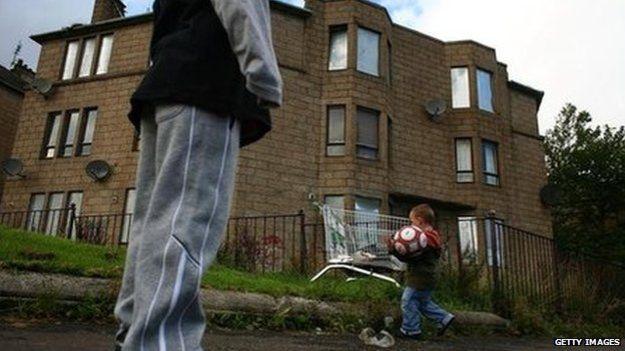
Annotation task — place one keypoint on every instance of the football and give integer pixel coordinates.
(409, 240)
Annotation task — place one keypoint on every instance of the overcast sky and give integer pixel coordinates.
(573, 50)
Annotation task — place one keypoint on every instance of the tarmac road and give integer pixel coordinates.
(19, 336)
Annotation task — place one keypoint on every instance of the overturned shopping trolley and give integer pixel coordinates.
(355, 241)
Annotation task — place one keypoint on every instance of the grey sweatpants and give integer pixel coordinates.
(184, 184)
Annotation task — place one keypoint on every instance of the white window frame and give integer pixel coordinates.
(52, 135)
(54, 207)
(484, 93)
(460, 87)
(338, 48)
(70, 60)
(104, 53)
(335, 147)
(468, 238)
(464, 174)
(36, 208)
(363, 65)
(87, 57)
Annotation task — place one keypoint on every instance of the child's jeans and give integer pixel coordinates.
(414, 302)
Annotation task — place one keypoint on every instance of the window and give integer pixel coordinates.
(35, 212)
(74, 197)
(368, 51)
(490, 162)
(88, 53)
(484, 90)
(51, 137)
(129, 210)
(460, 97)
(366, 222)
(390, 62)
(336, 131)
(54, 213)
(464, 160)
(89, 47)
(367, 204)
(494, 241)
(338, 48)
(367, 143)
(88, 128)
(106, 47)
(71, 55)
(389, 137)
(69, 133)
(467, 236)
(335, 201)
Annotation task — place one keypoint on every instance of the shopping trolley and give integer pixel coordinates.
(356, 241)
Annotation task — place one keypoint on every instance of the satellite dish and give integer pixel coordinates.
(550, 195)
(436, 108)
(13, 167)
(98, 170)
(42, 86)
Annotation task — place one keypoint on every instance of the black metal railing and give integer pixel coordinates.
(508, 262)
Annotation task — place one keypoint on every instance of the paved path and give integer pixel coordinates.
(73, 337)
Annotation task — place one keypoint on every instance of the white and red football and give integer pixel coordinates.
(409, 240)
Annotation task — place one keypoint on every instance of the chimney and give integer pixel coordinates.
(107, 9)
(22, 70)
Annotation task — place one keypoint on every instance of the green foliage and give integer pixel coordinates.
(40, 253)
(588, 165)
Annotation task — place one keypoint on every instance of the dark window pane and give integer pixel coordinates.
(367, 133)
(490, 163)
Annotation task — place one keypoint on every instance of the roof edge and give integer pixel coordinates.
(536, 94)
(82, 29)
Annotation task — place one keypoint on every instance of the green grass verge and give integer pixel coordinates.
(36, 252)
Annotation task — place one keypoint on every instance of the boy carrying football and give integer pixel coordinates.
(421, 276)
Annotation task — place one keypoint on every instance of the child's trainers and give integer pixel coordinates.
(444, 327)
(411, 336)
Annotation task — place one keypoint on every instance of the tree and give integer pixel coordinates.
(587, 164)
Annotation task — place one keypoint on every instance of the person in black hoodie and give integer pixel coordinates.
(213, 76)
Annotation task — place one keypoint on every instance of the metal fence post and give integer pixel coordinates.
(495, 262)
(72, 219)
(303, 257)
(556, 273)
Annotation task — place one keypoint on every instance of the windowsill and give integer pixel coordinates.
(474, 110)
(486, 112)
(369, 161)
(369, 75)
(63, 157)
(338, 70)
(95, 78)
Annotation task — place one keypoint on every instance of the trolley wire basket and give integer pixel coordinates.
(356, 241)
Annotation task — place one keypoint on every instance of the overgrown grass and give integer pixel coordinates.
(41, 253)
(36, 252)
